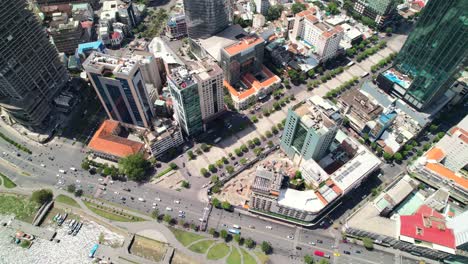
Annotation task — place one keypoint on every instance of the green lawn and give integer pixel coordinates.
(234, 257)
(67, 200)
(110, 215)
(248, 259)
(261, 256)
(202, 246)
(184, 237)
(7, 182)
(218, 251)
(23, 208)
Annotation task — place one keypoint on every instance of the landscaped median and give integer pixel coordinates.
(7, 183)
(111, 213)
(67, 200)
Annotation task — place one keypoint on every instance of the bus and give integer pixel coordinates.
(234, 231)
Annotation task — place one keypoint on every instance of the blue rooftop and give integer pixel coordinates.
(96, 45)
(384, 118)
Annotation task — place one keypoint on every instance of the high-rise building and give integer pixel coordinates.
(197, 89)
(206, 17)
(381, 11)
(432, 55)
(121, 87)
(261, 6)
(31, 74)
(310, 129)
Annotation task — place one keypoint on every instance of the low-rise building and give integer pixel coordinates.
(166, 135)
(117, 17)
(68, 32)
(176, 27)
(110, 142)
(444, 165)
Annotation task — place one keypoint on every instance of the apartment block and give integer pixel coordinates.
(176, 27)
(318, 37)
(381, 11)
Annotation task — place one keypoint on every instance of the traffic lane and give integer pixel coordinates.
(359, 251)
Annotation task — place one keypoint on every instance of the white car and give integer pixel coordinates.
(62, 171)
(42, 165)
(176, 201)
(181, 212)
(141, 199)
(73, 168)
(269, 227)
(158, 199)
(290, 237)
(201, 219)
(154, 204)
(168, 209)
(116, 192)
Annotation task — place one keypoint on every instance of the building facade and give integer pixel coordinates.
(205, 18)
(120, 86)
(166, 135)
(31, 74)
(381, 11)
(176, 27)
(310, 129)
(433, 53)
(320, 38)
(261, 6)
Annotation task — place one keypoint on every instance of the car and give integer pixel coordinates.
(132, 198)
(346, 252)
(157, 199)
(102, 188)
(101, 179)
(269, 227)
(62, 171)
(181, 215)
(123, 198)
(168, 209)
(176, 201)
(4, 153)
(201, 219)
(290, 237)
(73, 168)
(311, 243)
(181, 212)
(141, 199)
(206, 208)
(154, 204)
(29, 158)
(319, 241)
(116, 192)
(358, 251)
(42, 165)
(298, 248)
(18, 155)
(251, 227)
(126, 189)
(236, 226)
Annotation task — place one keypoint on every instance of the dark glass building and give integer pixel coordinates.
(205, 17)
(433, 53)
(31, 74)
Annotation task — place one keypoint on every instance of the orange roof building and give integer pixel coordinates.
(107, 143)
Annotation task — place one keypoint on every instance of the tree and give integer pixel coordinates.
(373, 145)
(237, 238)
(268, 134)
(191, 155)
(212, 168)
(249, 243)
(78, 193)
(42, 196)
(155, 213)
(205, 147)
(398, 157)
(266, 247)
(333, 8)
(204, 172)
(214, 179)
(230, 169)
(254, 119)
(297, 7)
(134, 166)
(274, 12)
(173, 166)
(223, 234)
(185, 184)
(212, 232)
(387, 156)
(433, 128)
(368, 243)
(71, 188)
(167, 218)
(155, 25)
(216, 203)
(270, 143)
(308, 259)
(389, 30)
(226, 205)
(256, 141)
(85, 165)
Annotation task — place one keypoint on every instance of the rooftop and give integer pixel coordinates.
(429, 226)
(229, 36)
(301, 200)
(363, 107)
(318, 113)
(267, 180)
(104, 63)
(251, 85)
(107, 140)
(244, 44)
(460, 228)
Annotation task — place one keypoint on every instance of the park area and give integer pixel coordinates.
(21, 206)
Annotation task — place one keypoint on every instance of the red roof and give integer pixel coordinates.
(115, 35)
(106, 140)
(427, 225)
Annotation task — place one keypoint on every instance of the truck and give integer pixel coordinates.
(234, 231)
(321, 254)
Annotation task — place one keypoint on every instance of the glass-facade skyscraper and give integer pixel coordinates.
(206, 17)
(433, 52)
(31, 74)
